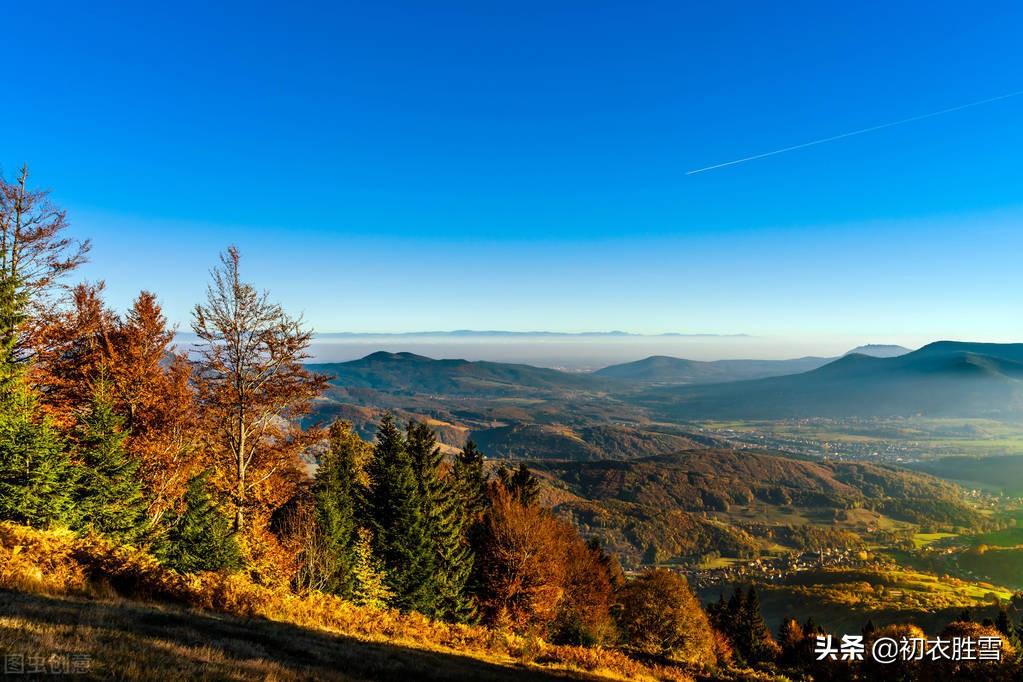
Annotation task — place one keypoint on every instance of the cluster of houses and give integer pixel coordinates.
(777, 569)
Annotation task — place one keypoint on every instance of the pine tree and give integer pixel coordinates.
(109, 491)
(369, 581)
(199, 538)
(522, 484)
(339, 501)
(446, 522)
(472, 481)
(761, 645)
(740, 619)
(790, 639)
(12, 318)
(36, 476)
(401, 535)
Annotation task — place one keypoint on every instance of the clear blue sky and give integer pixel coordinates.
(391, 166)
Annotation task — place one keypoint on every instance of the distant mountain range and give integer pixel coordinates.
(498, 332)
(945, 378)
(662, 369)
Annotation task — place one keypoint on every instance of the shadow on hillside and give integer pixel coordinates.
(134, 642)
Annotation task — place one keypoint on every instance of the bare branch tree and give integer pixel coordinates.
(34, 255)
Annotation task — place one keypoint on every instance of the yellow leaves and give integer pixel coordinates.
(58, 562)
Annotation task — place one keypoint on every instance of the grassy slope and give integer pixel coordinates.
(140, 621)
(148, 642)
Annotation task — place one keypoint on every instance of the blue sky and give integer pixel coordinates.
(389, 166)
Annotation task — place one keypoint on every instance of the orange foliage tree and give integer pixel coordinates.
(84, 343)
(153, 389)
(253, 390)
(536, 573)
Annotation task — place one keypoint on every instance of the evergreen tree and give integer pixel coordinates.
(521, 483)
(200, 537)
(369, 581)
(36, 476)
(759, 645)
(401, 531)
(742, 622)
(35, 471)
(12, 318)
(446, 521)
(790, 639)
(472, 481)
(108, 493)
(868, 629)
(339, 501)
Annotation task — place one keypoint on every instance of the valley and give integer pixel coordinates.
(744, 471)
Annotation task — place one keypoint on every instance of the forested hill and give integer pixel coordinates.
(663, 369)
(713, 480)
(411, 373)
(945, 378)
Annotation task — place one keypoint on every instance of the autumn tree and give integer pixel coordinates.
(661, 616)
(252, 387)
(791, 639)
(521, 578)
(152, 388)
(69, 352)
(584, 615)
(149, 383)
(369, 578)
(35, 253)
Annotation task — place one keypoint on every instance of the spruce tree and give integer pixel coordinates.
(369, 580)
(108, 493)
(521, 483)
(35, 470)
(12, 318)
(36, 476)
(401, 532)
(755, 638)
(446, 522)
(199, 538)
(471, 480)
(339, 501)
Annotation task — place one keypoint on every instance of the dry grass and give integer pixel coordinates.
(180, 632)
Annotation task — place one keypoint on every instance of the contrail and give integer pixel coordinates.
(856, 132)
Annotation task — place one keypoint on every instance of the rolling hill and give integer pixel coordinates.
(587, 443)
(945, 378)
(408, 373)
(880, 350)
(740, 502)
(663, 369)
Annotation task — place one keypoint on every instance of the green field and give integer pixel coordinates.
(921, 540)
(844, 600)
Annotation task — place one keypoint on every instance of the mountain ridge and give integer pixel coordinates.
(944, 378)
